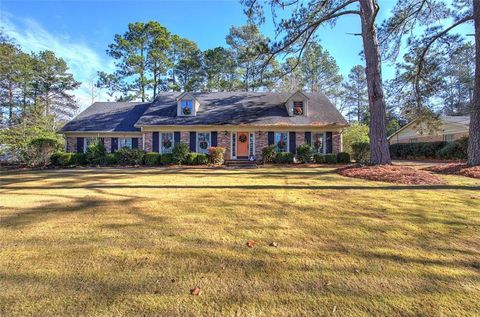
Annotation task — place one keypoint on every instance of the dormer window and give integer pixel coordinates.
(298, 108)
(187, 107)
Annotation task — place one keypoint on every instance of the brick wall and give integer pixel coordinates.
(261, 141)
(71, 145)
(299, 138)
(185, 137)
(224, 140)
(148, 136)
(336, 142)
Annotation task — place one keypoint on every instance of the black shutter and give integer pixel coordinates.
(308, 138)
(292, 142)
(134, 143)
(114, 145)
(155, 142)
(79, 145)
(102, 140)
(271, 138)
(214, 138)
(176, 137)
(193, 143)
(328, 142)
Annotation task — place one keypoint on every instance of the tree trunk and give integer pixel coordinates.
(379, 150)
(474, 133)
(10, 104)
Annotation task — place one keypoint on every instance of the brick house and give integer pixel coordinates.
(242, 122)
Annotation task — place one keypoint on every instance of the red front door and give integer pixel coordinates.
(242, 144)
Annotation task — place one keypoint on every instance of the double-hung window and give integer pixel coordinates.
(318, 142)
(203, 142)
(166, 142)
(448, 138)
(281, 141)
(187, 107)
(124, 142)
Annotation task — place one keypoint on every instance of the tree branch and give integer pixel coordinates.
(421, 60)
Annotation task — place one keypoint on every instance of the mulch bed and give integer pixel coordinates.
(392, 174)
(456, 169)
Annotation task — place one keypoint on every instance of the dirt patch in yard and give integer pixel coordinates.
(392, 174)
(456, 169)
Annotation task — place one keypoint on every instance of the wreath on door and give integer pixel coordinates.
(242, 138)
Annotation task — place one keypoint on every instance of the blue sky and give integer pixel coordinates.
(80, 31)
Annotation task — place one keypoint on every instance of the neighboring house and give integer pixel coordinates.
(242, 122)
(451, 128)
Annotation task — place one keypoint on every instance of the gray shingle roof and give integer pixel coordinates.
(255, 108)
(108, 117)
(219, 108)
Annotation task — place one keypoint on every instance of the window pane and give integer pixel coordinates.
(125, 142)
(298, 108)
(203, 142)
(281, 141)
(318, 142)
(166, 142)
(187, 108)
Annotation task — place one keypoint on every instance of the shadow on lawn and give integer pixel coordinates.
(252, 187)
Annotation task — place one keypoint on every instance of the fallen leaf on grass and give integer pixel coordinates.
(195, 291)
(274, 244)
(250, 243)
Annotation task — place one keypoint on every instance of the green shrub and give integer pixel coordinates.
(111, 159)
(416, 150)
(319, 158)
(268, 154)
(166, 159)
(456, 150)
(202, 159)
(356, 133)
(180, 152)
(343, 157)
(62, 159)
(191, 158)
(79, 159)
(361, 151)
(284, 158)
(330, 158)
(95, 153)
(152, 159)
(40, 150)
(304, 153)
(216, 155)
(127, 156)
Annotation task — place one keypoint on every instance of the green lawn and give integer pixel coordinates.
(116, 242)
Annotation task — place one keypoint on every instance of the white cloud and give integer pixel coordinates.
(82, 61)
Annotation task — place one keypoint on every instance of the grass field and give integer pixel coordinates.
(117, 242)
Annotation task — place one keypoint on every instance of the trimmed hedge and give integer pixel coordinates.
(284, 158)
(126, 156)
(191, 158)
(180, 152)
(343, 157)
(456, 150)
(216, 155)
(330, 159)
(319, 158)
(111, 159)
(62, 159)
(166, 159)
(202, 159)
(416, 150)
(152, 159)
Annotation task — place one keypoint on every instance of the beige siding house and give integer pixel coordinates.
(450, 129)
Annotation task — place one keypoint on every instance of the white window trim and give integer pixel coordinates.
(251, 150)
(312, 134)
(131, 142)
